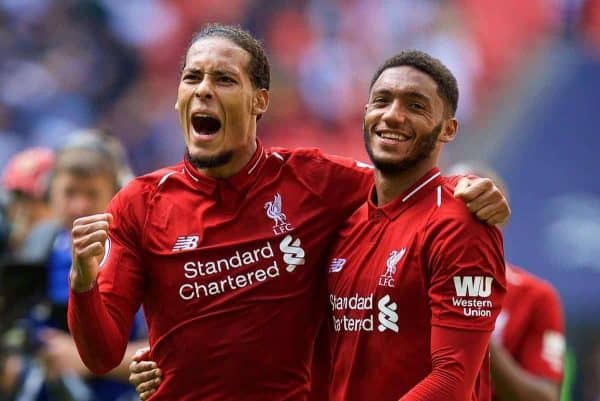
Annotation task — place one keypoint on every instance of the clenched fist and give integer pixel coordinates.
(88, 239)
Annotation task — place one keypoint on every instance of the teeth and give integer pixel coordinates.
(393, 135)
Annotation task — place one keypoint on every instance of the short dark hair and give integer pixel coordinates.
(258, 68)
(443, 77)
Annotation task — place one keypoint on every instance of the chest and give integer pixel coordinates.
(381, 258)
(203, 252)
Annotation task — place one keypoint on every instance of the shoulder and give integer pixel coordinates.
(146, 184)
(315, 157)
(451, 226)
(139, 192)
(534, 286)
(448, 209)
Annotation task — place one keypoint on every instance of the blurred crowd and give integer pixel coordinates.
(114, 64)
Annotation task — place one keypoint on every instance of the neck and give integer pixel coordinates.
(390, 186)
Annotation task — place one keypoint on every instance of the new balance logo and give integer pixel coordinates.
(336, 265)
(387, 314)
(473, 286)
(293, 254)
(186, 242)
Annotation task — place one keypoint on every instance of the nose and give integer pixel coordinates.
(395, 114)
(204, 89)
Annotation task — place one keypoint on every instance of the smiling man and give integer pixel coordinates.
(226, 250)
(418, 281)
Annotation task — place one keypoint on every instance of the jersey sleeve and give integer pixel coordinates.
(100, 320)
(456, 360)
(466, 271)
(544, 346)
(342, 183)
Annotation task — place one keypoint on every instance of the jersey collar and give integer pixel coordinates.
(238, 182)
(424, 185)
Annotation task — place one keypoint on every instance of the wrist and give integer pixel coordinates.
(78, 284)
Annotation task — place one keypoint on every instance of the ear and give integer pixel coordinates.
(260, 103)
(449, 130)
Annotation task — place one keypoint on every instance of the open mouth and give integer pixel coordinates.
(205, 125)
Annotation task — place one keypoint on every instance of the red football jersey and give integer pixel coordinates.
(531, 325)
(421, 260)
(230, 273)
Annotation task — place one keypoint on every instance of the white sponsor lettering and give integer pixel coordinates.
(214, 277)
(387, 317)
(478, 286)
(195, 269)
(471, 303)
(190, 291)
(355, 302)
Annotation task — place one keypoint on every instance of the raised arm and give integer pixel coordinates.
(107, 282)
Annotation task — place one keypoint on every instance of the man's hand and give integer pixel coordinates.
(484, 199)
(89, 235)
(144, 375)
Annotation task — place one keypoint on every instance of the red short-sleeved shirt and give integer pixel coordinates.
(531, 324)
(230, 273)
(418, 261)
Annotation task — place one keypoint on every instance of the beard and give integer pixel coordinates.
(422, 149)
(217, 160)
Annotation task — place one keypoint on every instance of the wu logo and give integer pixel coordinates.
(387, 314)
(387, 278)
(473, 286)
(293, 254)
(275, 212)
(186, 242)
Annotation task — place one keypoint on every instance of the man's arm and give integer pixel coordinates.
(512, 382)
(456, 358)
(466, 285)
(537, 373)
(100, 315)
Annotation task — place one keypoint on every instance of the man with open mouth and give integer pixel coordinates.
(227, 249)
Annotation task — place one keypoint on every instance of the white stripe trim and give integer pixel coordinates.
(277, 155)
(190, 174)
(439, 196)
(257, 161)
(164, 178)
(417, 189)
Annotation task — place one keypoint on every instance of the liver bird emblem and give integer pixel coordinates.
(392, 261)
(274, 210)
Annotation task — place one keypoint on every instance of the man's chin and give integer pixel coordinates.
(203, 161)
(392, 165)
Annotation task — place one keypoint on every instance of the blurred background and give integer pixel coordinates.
(528, 72)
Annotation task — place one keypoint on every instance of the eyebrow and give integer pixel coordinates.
(410, 93)
(218, 72)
